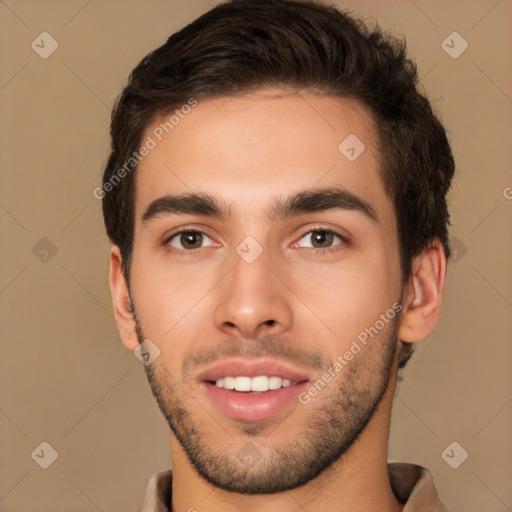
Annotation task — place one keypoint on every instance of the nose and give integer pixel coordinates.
(253, 300)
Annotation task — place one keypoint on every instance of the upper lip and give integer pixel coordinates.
(235, 367)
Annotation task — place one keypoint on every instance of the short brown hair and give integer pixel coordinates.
(241, 46)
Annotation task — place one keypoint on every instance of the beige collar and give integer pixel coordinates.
(412, 485)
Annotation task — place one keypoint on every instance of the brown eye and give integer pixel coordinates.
(189, 240)
(320, 239)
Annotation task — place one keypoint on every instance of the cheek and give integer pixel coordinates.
(169, 297)
(349, 295)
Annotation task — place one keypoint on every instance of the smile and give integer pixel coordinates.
(253, 390)
(260, 384)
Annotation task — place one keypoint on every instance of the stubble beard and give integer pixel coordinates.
(337, 416)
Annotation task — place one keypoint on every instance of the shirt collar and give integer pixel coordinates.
(412, 485)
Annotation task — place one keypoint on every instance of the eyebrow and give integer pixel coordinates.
(307, 201)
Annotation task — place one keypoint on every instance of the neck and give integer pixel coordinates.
(357, 481)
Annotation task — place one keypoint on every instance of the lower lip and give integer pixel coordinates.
(253, 406)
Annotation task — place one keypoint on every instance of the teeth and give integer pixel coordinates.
(229, 383)
(242, 383)
(275, 382)
(259, 384)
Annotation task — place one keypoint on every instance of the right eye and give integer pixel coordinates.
(188, 240)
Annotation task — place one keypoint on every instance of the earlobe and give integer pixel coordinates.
(422, 303)
(121, 301)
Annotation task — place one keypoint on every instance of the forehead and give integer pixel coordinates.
(249, 150)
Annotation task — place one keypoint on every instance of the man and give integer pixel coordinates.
(276, 197)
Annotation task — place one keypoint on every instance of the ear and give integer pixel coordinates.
(422, 304)
(121, 301)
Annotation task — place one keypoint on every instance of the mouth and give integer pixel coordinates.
(259, 384)
(252, 390)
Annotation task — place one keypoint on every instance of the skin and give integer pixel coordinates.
(251, 151)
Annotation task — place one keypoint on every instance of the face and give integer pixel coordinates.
(266, 260)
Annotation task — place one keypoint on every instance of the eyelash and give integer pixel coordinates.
(336, 247)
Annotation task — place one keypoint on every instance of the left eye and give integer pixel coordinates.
(188, 240)
(320, 239)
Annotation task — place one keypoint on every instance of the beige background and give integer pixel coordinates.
(65, 377)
